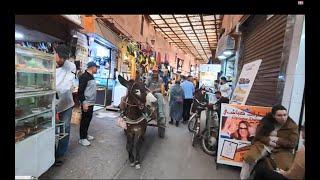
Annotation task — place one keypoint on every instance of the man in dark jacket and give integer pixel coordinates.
(87, 96)
(221, 100)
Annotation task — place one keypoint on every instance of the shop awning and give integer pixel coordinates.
(196, 34)
(53, 25)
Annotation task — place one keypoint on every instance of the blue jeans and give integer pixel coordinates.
(65, 116)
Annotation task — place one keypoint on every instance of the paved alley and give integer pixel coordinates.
(107, 158)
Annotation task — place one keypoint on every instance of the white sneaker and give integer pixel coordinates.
(90, 137)
(84, 142)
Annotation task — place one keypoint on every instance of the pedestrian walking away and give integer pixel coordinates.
(176, 103)
(188, 89)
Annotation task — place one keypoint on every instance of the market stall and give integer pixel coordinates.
(135, 58)
(34, 111)
(100, 53)
(36, 133)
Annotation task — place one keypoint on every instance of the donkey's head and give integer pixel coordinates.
(138, 94)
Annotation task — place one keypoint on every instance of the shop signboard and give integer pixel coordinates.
(237, 129)
(208, 74)
(245, 82)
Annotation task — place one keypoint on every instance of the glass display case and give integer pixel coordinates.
(34, 70)
(34, 92)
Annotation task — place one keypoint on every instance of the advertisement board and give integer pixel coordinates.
(238, 125)
(208, 74)
(245, 82)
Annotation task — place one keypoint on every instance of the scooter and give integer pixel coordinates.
(204, 124)
(210, 133)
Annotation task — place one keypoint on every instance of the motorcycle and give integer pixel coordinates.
(210, 133)
(196, 121)
(204, 124)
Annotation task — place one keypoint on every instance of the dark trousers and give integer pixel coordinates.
(262, 172)
(186, 109)
(85, 122)
(267, 174)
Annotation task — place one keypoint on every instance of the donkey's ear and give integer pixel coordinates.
(122, 81)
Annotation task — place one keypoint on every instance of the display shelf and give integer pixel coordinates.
(31, 94)
(34, 70)
(35, 154)
(28, 90)
(29, 52)
(34, 111)
(32, 115)
(44, 126)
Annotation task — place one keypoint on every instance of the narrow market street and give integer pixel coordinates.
(107, 158)
(238, 79)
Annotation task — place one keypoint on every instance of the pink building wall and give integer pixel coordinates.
(230, 21)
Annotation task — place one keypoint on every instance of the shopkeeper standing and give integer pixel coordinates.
(65, 75)
(87, 95)
(224, 88)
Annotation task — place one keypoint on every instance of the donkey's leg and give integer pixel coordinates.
(138, 147)
(140, 135)
(130, 143)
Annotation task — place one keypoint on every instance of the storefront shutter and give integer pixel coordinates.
(263, 39)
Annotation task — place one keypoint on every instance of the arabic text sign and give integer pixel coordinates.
(245, 82)
(237, 129)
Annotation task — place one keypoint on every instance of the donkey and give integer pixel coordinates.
(133, 105)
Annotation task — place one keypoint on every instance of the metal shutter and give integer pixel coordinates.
(263, 39)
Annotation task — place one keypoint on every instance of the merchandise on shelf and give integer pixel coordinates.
(34, 85)
(34, 70)
(32, 105)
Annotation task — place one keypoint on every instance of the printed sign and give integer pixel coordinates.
(237, 130)
(245, 82)
(208, 74)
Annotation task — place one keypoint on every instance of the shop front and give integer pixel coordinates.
(36, 134)
(263, 37)
(100, 52)
(226, 54)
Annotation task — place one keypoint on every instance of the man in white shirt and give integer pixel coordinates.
(224, 88)
(65, 75)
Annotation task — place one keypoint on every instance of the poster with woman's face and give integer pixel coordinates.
(180, 65)
(237, 130)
